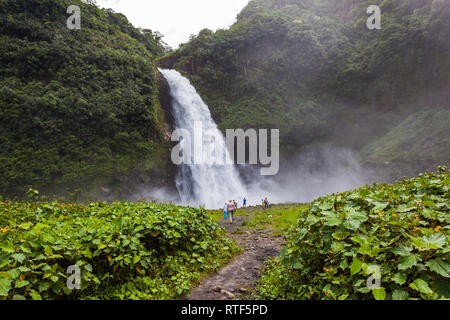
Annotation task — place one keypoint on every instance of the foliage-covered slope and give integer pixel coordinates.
(75, 104)
(305, 66)
(124, 250)
(398, 233)
(422, 140)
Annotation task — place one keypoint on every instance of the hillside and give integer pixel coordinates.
(77, 106)
(423, 138)
(314, 70)
(86, 109)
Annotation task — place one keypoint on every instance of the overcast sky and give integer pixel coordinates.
(177, 19)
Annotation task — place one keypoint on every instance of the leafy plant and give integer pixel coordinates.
(402, 230)
(124, 250)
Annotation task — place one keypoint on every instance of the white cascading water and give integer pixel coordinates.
(210, 185)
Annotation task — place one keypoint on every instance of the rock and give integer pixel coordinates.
(243, 269)
(227, 294)
(217, 288)
(243, 290)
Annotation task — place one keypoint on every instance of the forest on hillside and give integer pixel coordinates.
(314, 70)
(78, 108)
(88, 109)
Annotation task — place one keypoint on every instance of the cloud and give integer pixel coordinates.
(177, 19)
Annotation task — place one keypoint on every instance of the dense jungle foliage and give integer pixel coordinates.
(124, 250)
(399, 234)
(82, 107)
(76, 106)
(314, 70)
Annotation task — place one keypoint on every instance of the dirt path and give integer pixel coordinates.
(237, 279)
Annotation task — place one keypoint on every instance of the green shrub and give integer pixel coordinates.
(124, 250)
(403, 229)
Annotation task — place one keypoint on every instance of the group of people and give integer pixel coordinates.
(230, 209)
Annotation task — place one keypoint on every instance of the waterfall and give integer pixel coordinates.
(208, 184)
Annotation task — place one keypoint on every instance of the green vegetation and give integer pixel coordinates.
(423, 138)
(403, 229)
(278, 219)
(76, 106)
(314, 70)
(124, 250)
(83, 108)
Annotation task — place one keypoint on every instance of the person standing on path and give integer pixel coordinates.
(230, 206)
(244, 202)
(266, 203)
(225, 211)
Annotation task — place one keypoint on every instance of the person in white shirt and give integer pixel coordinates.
(225, 211)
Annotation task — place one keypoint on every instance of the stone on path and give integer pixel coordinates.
(227, 294)
(217, 288)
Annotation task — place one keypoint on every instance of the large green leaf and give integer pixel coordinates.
(439, 266)
(326, 204)
(368, 249)
(5, 286)
(379, 293)
(356, 215)
(430, 214)
(352, 224)
(407, 262)
(19, 257)
(433, 241)
(379, 206)
(402, 250)
(356, 266)
(35, 295)
(7, 246)
(333, 220)
(21, 283)
(400, 278)
(422, 286)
